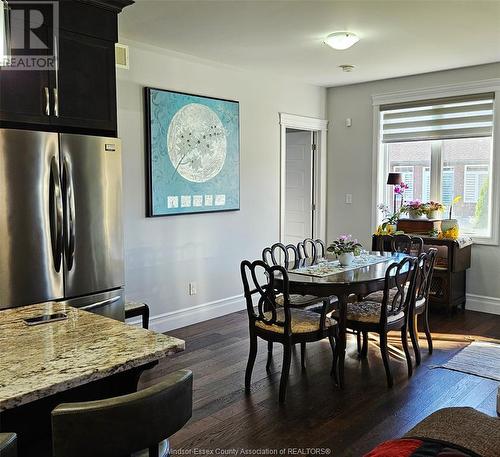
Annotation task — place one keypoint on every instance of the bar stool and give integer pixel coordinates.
(8, 445)
(134, 309)
(137, 424)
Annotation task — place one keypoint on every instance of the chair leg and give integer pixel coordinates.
(334, 345)
(358, 341)
(414, 338)
(385, 357)
(303, 355)
(251, 361)
(269, 354)
(364, 349)
(427, 330)
(285, 371)
(404, 341)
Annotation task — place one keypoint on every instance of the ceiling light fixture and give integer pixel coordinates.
(341, 40)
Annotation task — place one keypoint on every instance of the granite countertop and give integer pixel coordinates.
(37, 361)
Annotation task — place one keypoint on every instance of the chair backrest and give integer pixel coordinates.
(406, 244)
(122, 425)
(425, 264)
(311, 249)
(260, 293)
(279, 254)
(400, 277)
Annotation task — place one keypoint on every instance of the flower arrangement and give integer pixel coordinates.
(390, 219)
(345, 244)
(400, 188)
(414, 208)
(452, 233)
(434, 206)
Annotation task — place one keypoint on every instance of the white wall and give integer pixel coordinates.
(162, 255)
(350, 155)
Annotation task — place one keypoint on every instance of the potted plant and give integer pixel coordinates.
(415, 209)
(432, 209)
(345, 248)
(390, 220)
(448, 224)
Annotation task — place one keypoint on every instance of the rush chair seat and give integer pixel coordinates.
(284, 325)
(8, 445)
(137, 424)
(289, 256)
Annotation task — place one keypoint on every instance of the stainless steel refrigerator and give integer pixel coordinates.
(61, 221)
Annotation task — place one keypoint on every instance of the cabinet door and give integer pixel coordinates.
(24, 94)
(86, 82)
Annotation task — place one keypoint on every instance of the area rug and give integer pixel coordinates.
(480, 358)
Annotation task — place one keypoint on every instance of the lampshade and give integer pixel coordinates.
(394, 179)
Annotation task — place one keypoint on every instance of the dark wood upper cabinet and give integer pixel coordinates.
(80, 96)
(85, 82)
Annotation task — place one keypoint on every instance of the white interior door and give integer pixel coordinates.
(298, 186)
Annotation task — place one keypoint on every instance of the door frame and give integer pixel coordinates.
(320, 126)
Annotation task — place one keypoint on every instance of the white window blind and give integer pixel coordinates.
(468, 116)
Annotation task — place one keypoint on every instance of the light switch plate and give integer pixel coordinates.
(348, 199)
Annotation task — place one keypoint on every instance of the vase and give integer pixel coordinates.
(448, 224)
(414, 214)
(391, 229)
(346, 259)
(433, 214)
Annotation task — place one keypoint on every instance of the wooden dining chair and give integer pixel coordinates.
(288, 257)
(406, 244)
(402, 243)
(389, 314)
(280, 324)
(420, 304)
(311, 249)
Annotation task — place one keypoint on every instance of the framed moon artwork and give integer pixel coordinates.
(193, 153)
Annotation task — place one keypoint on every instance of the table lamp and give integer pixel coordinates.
(394, 179)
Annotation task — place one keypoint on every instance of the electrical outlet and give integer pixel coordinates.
(193, 289)
(348, 199)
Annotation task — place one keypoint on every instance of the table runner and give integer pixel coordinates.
(323, 269)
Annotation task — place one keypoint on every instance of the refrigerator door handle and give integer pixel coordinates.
(56, 214)
(99, 304)
(69, 202)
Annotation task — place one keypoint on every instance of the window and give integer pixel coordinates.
(443, 149)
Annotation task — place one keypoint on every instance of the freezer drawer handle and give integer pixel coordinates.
(100, 304)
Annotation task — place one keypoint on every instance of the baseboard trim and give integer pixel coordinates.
(483, 304)
(194, 314)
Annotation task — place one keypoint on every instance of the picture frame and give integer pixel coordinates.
(192, 153)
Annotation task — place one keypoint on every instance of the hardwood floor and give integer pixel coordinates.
(317, 414)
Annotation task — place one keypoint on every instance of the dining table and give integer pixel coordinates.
(360, 279)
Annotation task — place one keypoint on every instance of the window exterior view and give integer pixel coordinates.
(465, 172)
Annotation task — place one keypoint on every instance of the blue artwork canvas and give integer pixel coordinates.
(193, 153)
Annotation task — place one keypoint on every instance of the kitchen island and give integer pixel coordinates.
(83, 357)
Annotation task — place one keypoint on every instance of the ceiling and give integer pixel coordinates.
(398, 37)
